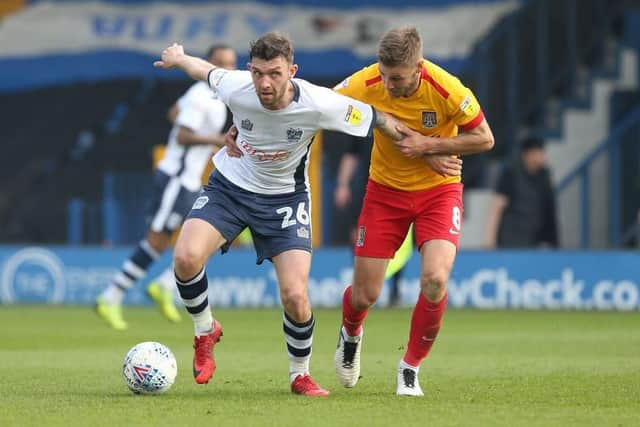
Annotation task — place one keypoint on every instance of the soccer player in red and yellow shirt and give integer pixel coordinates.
(408, 184)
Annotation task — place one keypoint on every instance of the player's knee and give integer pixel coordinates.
(434, 284)
(295, 302)
(187, 262)
(364, 298)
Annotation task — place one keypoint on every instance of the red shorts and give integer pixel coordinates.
(387, 214)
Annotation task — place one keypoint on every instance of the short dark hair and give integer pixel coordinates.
(270, 46)
(216, 47)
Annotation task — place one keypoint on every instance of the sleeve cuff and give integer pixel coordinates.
(473, 123)
(374, 119)
(209, 77)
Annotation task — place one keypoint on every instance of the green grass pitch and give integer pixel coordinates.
(60, 366)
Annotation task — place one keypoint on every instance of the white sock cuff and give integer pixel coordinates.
(196, 279)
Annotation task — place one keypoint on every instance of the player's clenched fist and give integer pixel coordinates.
(170, 56)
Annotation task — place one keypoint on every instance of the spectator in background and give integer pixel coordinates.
(356, 153)
(523, 211)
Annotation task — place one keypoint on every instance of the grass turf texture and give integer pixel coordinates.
(60, 366)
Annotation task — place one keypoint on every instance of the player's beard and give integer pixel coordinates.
(272, 100)
(407, 90)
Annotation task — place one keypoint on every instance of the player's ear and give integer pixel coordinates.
(292, 70)
(249, 66)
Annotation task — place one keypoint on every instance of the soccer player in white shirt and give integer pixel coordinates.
(265, 189)
(198, 122)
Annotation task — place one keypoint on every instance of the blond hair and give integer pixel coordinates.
(400, 46)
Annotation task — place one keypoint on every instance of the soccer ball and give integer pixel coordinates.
(149, 368)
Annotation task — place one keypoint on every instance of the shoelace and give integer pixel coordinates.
(349, 354)
(409, 377)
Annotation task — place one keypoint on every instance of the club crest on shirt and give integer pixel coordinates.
(246, 125)
(429, 119)
(294, 134)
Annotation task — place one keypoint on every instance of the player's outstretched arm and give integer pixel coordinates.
(389, 125)
(174, 57)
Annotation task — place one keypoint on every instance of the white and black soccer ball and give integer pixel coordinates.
(149, 368)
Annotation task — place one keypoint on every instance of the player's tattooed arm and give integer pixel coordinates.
(388, 124)
(475, 140)
(174, 57)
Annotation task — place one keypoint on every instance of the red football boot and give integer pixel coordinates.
(204, 365)
(306, 386)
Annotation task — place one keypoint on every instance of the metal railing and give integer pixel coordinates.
(533, 55)
(625, 132)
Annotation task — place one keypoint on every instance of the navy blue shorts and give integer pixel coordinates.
(169, 204)
(278, 222)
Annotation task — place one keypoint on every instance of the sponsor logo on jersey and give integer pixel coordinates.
(246, 125)
(294, 134)
(353, 116)
(429, 119)
(360, 240)
(263, 156)
(468, 107)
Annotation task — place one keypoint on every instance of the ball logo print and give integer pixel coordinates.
(33, 274)
(141, 372)
(149, 368)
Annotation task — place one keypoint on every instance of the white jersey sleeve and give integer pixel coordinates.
(194, 107)
(344, 114)
(223, 82)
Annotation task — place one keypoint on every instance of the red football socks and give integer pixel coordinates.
(425, 324)
(351, 319)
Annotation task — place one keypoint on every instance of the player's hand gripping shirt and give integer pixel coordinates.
(439, 107)
(276, 143)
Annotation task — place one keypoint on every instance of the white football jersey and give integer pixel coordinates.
(204, 115)
(275, 144)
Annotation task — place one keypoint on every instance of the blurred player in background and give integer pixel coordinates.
(407, 184)
(261, 182)
(198, 120)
